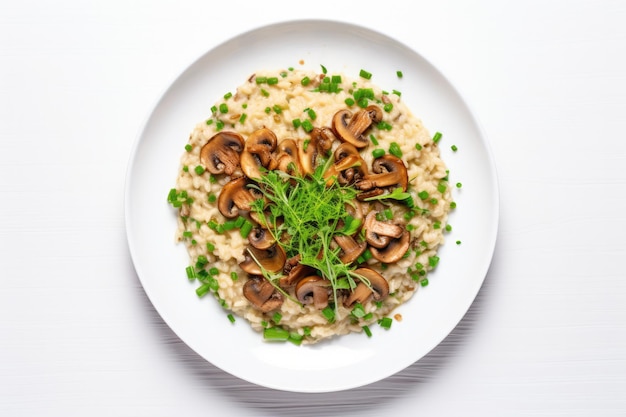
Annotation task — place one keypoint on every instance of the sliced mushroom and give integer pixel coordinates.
(313, 290)
(377, 233)
(257, 261)
(350, 248)
(323, 138)
(353, 130)
(257, 154)
(261, 238)
(262, 294)
(287, 157)
(307, 155)
(235, 197)
(395, 249)
(378, 283)
(387, 170)
(295, 274)
(221, 153)
(348, 166)
(378, 288)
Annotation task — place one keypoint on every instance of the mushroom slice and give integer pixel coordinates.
(287, 157)
(295, 274)
(258, 261)
(394, 251)
(262, 294)
(358, 295)
(257, 153)
(313, 290)
(350, 248)
(378, 287)
(352, 132)
(378, 283)
(235, 196)
(378, 234)
(221, 153)
(323, 138)
(261, 238)
(387, 170)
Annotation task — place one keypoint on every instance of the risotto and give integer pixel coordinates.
(311, 204)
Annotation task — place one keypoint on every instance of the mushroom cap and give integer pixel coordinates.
(394, 251)
(295, 274)
(262, 294)
(358, 295)
(387, 170)
(235, 196)
(271, 259)
(257, 153)
(261, 238)
(350, 248)
(221, 153)
(352, 132)
(378, 283)
(378, 234)
(313, 290)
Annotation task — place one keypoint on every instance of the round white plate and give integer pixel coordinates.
(348, 361)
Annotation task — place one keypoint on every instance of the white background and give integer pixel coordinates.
(546, 335)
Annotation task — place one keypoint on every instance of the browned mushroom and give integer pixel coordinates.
(221, 153)
(348, 166)
(378, 233)
(235, 197)
(353, 130)
(295, 274)
(262, 294)
(394, 251)
(376, 286)
(287, 157)
(257, 261)
(261, 238)
(257, 153)
(378, 283)
(350, 248)
(387, 170)
(313, 290)
(323, 137)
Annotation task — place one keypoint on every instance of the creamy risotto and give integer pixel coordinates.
(311, 204)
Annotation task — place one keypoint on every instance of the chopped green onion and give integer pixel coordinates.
(261, 80)
(203, 289)
(458, 242)
(423, 195)
(312, 114)
(388, 107)
(324, 70)
(228, 95)
(377, 153)
(437, 137)
(188, 147)
(329, 313)
(441, 188)
(418, 146)
(231, 318)
(246, 228)
(395, 150)
(199, 169)
(275, 334)
(385, 323)
(305, 81)
(396, 92)
(365, 74)
(459, 185)
(454, 148)
(191, 273)
(210, 247)
(234, 276)
(367, 331)
(424, 282)
(373, 139)
(277, 109)
(433, 261)
(242, 118)
(223, 108)
(349, 101)
(452, 205)
(399, 74)
(264, 92)
(272, 81)
(296, 123)
(307, 125)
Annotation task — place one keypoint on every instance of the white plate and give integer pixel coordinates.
(348, 361)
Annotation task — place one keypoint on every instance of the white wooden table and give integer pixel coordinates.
(546, 335)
